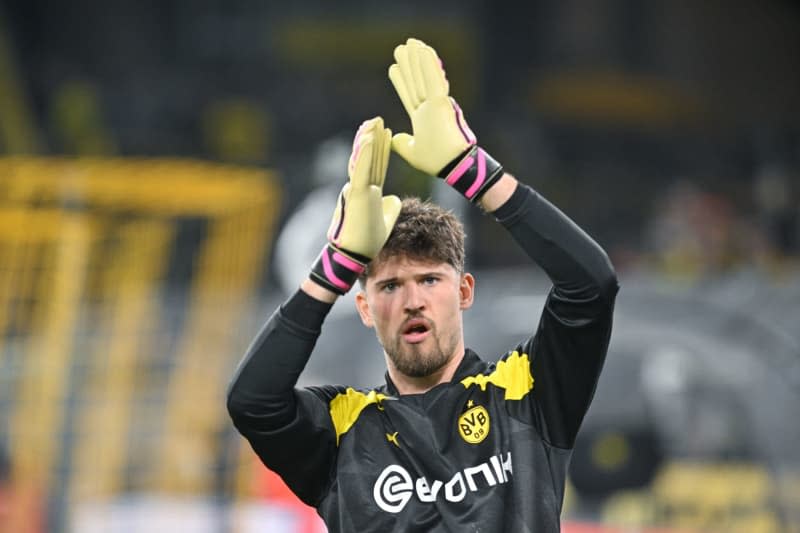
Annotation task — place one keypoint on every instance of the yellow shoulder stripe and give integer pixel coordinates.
(345, 408)
(512, 374)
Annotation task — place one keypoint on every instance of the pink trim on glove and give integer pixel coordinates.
(462, 124)
(328, 268)
(356, 149)
(347, 263)
(333, 236)
(459, 171)
(476, 185)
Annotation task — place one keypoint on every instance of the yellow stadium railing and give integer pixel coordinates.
(111, 393)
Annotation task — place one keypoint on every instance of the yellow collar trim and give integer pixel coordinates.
(346, 407)
(512, 374)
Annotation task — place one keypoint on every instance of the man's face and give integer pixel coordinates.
(415, 308)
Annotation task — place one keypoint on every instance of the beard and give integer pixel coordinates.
(423, 359)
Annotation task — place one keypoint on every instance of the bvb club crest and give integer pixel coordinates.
(473, 425)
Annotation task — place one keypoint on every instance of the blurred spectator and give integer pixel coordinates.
(21, 509)
(237, 130)
(692, 234)
(777, 206)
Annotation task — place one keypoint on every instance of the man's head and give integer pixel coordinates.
(415, 289)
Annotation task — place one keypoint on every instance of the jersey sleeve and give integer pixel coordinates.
(290, 429)
(570, 343)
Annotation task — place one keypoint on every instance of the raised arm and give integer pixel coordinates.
(569, 347)
(570, 344)
(291, 429)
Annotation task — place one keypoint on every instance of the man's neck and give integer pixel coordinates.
(413, 385)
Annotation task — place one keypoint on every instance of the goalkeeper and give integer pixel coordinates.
(452, 441)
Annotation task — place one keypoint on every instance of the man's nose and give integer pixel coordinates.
(414, 299)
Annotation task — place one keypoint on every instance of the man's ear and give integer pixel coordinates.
(363, 309)
(466, 291)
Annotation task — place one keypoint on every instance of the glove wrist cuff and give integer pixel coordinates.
(337, 270)
(472, 173)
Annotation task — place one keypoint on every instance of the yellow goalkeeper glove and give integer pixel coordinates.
(442, 143)
(363, 218)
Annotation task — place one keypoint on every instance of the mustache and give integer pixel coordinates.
(416, 317)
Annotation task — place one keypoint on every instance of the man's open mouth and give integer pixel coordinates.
(415, 330)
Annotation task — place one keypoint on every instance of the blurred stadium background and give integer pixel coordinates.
(166, 174)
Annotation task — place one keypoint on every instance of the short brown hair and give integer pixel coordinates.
(424, 231)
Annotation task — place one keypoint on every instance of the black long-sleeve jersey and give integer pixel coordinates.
(486, 452)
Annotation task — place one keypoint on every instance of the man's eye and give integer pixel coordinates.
(389, 287)
(430, 280)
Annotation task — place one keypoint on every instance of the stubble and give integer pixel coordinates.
(422, 359)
